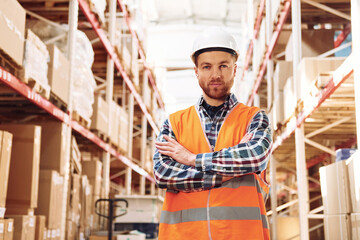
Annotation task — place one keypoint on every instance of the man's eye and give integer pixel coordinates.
(206, 67)
(223, 66)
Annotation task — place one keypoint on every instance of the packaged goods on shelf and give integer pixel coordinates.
(24, 166)
(50, 198)
(335, 190)
(12, 28)
(36, 60)
(86, 203)
(287, 227)
(353, 168)
(123, 130)
(337, 226)
(289, 102)
(115, 119)
(40, 227)
(93, 169)
(53, 148)
(9, 229)
(24, 227)
(5, 156)
(74, 204)
(355, 226)
(141, 209)
(309, 47)
(58, 73)
(308, 71)
(83, 91)
(100, 116)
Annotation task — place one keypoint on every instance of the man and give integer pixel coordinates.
(209, 157)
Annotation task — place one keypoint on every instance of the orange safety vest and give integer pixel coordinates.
(236, 210)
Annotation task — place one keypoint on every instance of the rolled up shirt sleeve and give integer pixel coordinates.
(251, 156)
(171, 175)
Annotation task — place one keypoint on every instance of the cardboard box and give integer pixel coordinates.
(12, 28)
(123, 130)
(53, 150)
(115, 116)
(58, 73)
(6, 144)
(94, 237)
(92, 169)
(100, 116)
(335, 190)
(353, 167)
(50, 197)
(283, 70)
(75, 155)
(24, 165)
(24, 227)
(9, 229)
(337, 227)
(2, 229)
(74, 206)
(86, 202)
(289, 102)
(355, 226)
(288, 228)
(40, 227)
(308, 70)
(141, 209)
(309, 47)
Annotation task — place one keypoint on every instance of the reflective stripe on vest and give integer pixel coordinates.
(235, 210)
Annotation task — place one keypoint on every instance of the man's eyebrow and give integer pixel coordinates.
(205, 63)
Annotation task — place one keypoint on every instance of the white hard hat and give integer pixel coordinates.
(214, 39)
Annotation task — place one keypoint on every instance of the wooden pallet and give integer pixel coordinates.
(101, 135)
(80, 119)
(9, 65)
(58, 102)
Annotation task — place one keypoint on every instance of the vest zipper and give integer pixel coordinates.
(208, 214)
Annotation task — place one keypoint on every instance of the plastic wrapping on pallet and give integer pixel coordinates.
(36, 60)
(83, 91)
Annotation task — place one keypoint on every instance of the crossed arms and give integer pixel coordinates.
(176, 168)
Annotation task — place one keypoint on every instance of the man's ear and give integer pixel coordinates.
(235, 69)
(196, 72)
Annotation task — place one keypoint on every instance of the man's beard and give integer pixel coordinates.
(219, 93)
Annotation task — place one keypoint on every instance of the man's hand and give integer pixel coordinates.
(176, 151)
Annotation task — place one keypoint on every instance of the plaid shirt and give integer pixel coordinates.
(248, 157)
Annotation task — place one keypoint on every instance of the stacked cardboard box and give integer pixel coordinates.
(24, 227)
(100, 117)
(12, 28)
(5, 156)
(58, 73)
(93, 169)
(8, 228)
(22, 192)
(115, 117)
(309, 47)
(50, 198)
(283, 71)
(123, 129)
(40, 230)
(336, 200)
(86, 206)
(353, 167)
(53, 150)
(74, 207)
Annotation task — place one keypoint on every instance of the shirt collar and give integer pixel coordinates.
(230, 102)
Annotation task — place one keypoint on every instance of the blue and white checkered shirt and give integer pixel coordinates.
(248, 157)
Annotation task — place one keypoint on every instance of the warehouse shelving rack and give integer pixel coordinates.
(330, 113)
(53, 111)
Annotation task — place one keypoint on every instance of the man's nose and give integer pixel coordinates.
(216, 73)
